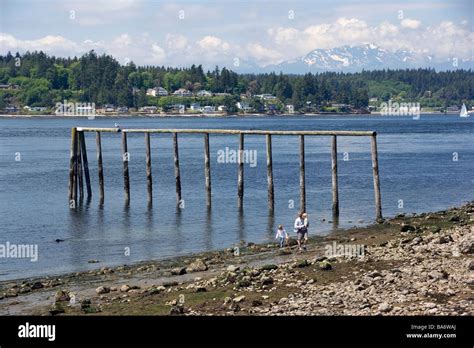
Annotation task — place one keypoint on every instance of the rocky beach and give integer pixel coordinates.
(412, 264)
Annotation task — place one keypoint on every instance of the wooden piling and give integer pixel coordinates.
(302, 176)
(79, 167)
(335, 189)
(271, 199)
(85, 164)
(100, 169)
(177, 174)
(125, 159)
(72, 164)
(240, 182)
(149, 179)
(375, 169)
(207, 169)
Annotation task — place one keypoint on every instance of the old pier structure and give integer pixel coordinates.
(79, 164)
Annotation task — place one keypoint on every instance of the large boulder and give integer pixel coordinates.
(197, 266)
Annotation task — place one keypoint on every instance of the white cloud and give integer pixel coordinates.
(444, 40)
(262, 55)
(213, 44)
(410, 23)
(158, 54)
(176, 41)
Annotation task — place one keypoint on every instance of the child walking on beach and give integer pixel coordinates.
(281, 235)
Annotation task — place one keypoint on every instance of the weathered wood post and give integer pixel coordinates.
(271, 199)
(302, 176)
(149, 179)
(79, 167)
(72, 168)
(335, 189)
(100, 169)
(125, 159)
(207, 168)
(85, 164)
(240, 180)
(375, 169)
(177, 174)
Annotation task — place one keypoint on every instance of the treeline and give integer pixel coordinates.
(45, 80)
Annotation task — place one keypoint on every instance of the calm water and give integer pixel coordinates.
(415, 159)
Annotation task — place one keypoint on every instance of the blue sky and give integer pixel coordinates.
(218, 32)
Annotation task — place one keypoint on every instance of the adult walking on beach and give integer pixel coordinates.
(299, 226)
(305, 229)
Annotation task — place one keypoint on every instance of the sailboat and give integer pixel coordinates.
(464, 111)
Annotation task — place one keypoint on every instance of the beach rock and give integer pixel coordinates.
(445, 239)
(125, 288)
(407, 228)
(227, 300)
(85, 303)
(62, 296)
(301, 264)
(232, 268)
(244, 283)
(239, 299)
(102, 290)
(325, 266)
(467, 246)
(178, 271)
(197, 266)
(292, 242)
(384, 307)
(176, 310)
(266, 280)
(268, 267)
(37, 285)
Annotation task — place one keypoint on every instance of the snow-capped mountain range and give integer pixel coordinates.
(365, 57)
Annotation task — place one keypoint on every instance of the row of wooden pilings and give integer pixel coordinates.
(79, 165)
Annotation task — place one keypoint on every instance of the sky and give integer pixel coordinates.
(181, 33)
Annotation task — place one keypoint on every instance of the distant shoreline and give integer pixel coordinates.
(220, 115)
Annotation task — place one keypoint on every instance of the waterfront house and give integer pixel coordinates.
(149, 109)
(122, 109)
(36, 108)
(182, 93)
(195, 107)
(157, 92)
(266, 96)
(109, 108)
(8, 86)
(204, 93)
(11, 108)
(243, 106)
(208, 109)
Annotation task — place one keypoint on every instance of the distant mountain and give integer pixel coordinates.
(363, 57)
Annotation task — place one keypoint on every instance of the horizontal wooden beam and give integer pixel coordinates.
(230, 131)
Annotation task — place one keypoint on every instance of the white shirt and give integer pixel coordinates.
(299, 223)
(281, 233)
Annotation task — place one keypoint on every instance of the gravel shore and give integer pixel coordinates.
(410, 265)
